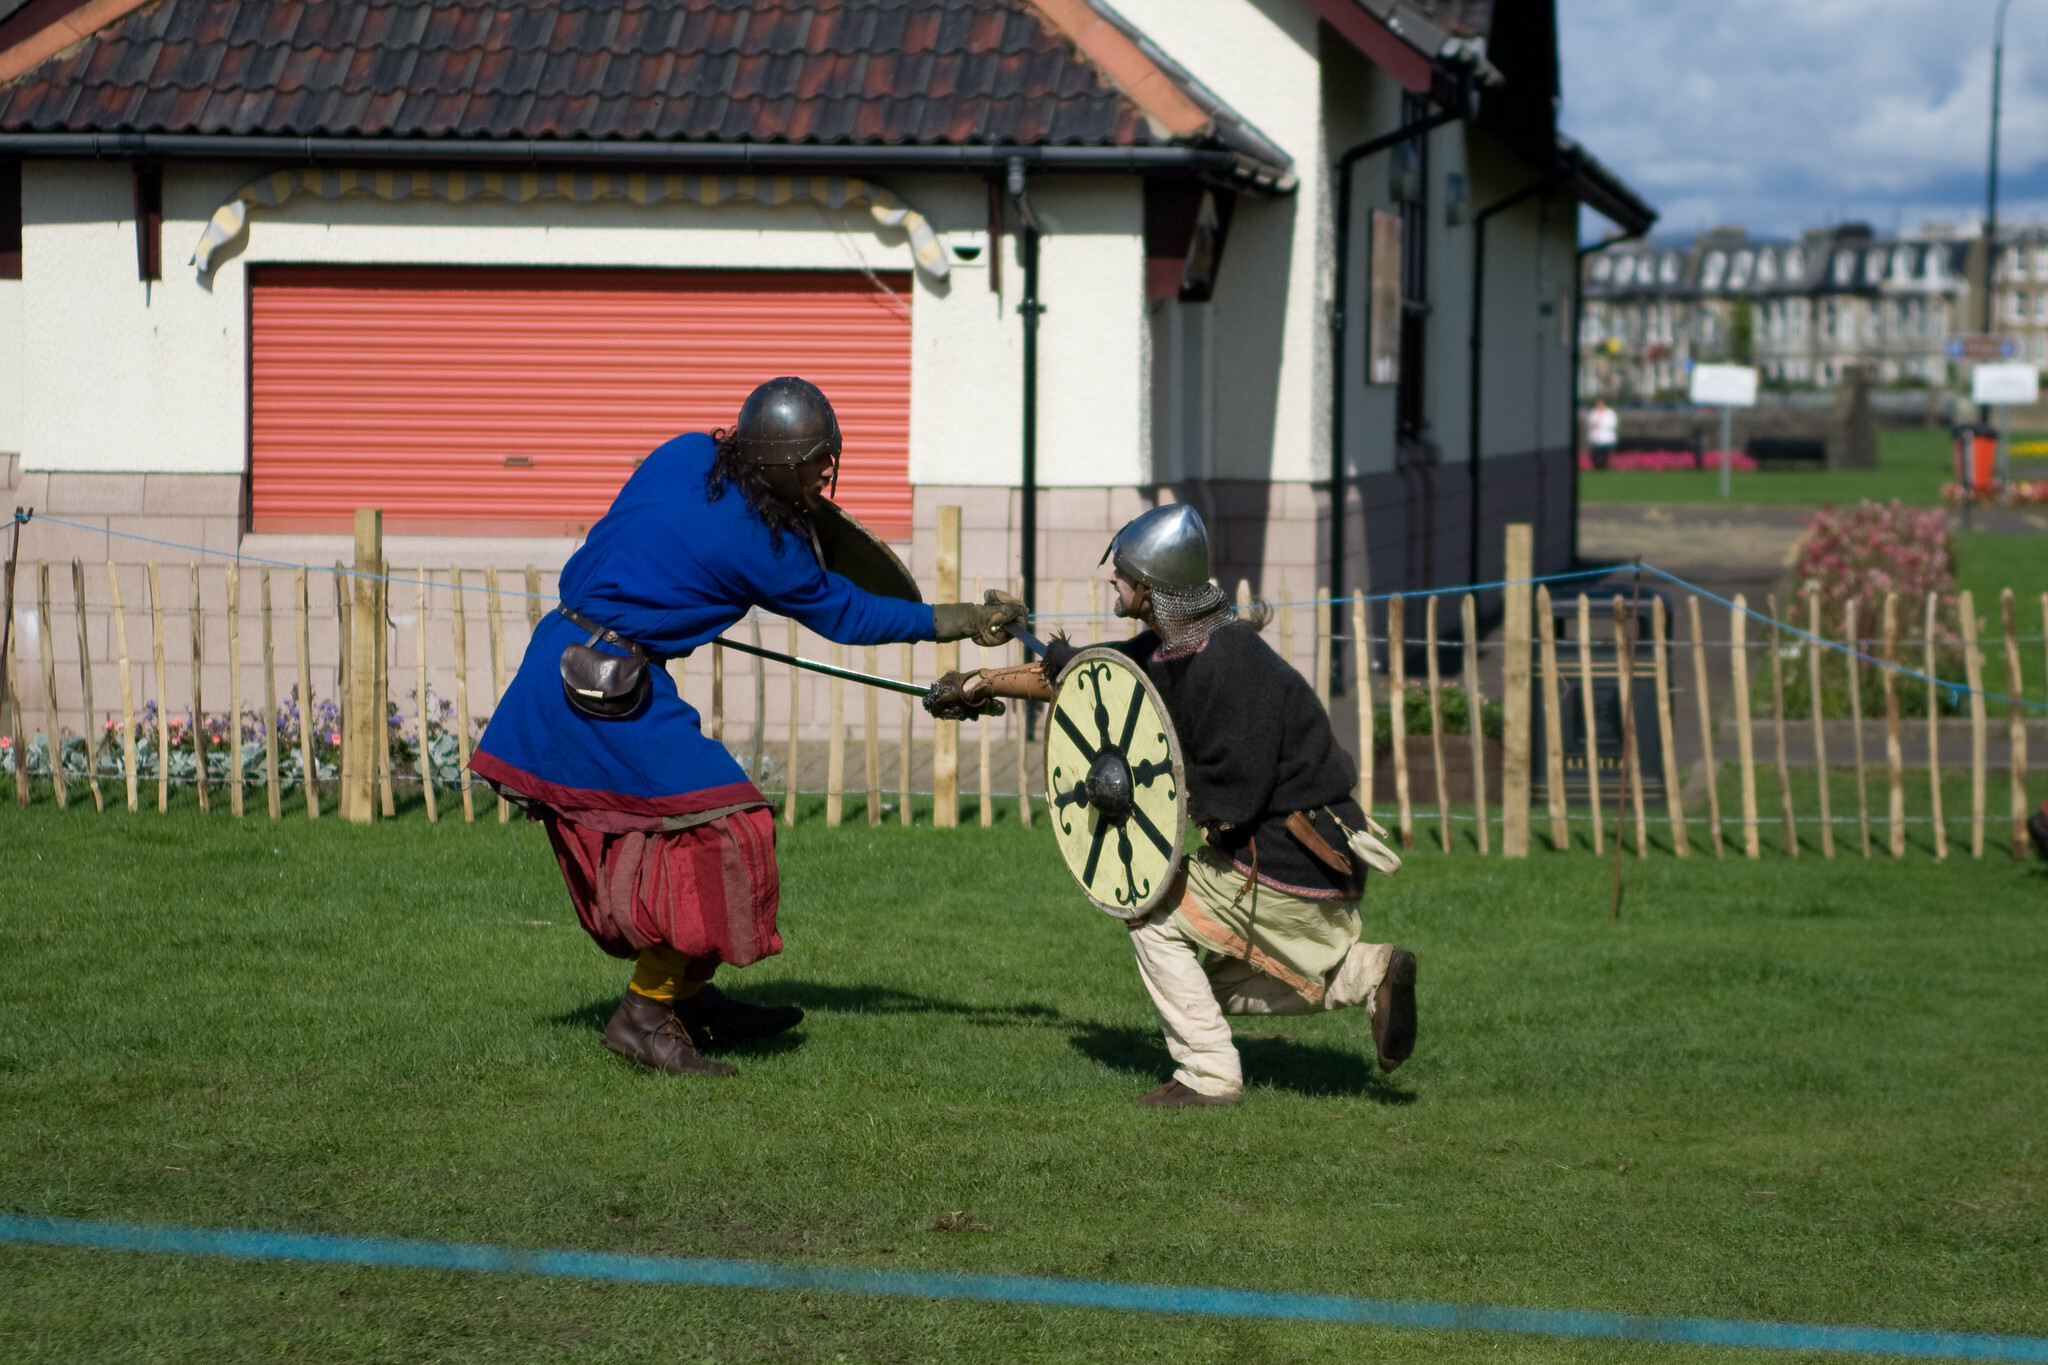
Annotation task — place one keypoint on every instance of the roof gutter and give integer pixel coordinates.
(980, 159)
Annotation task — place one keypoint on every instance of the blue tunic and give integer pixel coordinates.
(671, 569)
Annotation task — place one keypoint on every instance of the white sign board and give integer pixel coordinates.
(1724, 386)
(2001, 385)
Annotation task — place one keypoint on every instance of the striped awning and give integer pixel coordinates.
(582, 187)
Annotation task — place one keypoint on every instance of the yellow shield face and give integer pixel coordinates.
(1115, 784)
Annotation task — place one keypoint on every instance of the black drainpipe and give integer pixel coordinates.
(1340, 298)
(1028, 309)
(1477, 342)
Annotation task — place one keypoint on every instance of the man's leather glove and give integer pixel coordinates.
(984, 621)
(1059, 652)
(946, 699)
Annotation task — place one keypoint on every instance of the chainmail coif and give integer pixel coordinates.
(1187, 616)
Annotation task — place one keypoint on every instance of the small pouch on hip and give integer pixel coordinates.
(600, 685)
(1371, 845)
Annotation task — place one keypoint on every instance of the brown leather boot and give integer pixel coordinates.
(1393, 1011)
(1174, 1095)
(648, 1032)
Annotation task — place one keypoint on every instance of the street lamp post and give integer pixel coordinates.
(1991, 178)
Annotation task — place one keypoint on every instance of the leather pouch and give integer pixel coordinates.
(600, 685)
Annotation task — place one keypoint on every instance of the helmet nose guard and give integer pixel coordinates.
(786, 421)
(1167, 547)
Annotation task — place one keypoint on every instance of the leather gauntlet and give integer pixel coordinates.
(948, 699)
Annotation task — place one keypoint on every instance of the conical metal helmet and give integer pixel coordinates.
(1167, 547)
(785, 421)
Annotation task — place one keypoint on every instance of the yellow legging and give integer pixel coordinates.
(661, 974)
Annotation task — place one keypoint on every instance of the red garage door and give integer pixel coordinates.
(516, 401)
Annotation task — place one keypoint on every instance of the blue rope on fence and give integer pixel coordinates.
(1193, 1300)
(1956, 691)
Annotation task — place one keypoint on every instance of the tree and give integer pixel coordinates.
(1741, 332)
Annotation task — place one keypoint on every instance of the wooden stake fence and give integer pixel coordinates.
(1932, 622)
(1475, 731)
(1820, 734)
(1894, 749)
(1589, 719)
(1738, 663)
(1397, 710)
(1515, 699)
(1553, 726)
(1674, 795)
(48, 650)
(1438, 774)
(1778, 727)
(1531, 676)
(1706, 712)
(1973, 670)
(2016, 730)
(1855, 662)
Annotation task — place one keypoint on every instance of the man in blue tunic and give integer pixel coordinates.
(667, 848)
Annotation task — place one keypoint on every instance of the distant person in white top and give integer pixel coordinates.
(1602, 428)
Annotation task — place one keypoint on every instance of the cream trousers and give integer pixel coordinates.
(1192, 999)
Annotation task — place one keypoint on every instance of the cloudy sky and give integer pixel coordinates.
(1785, 114)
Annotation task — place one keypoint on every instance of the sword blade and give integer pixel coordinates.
(908, 689)
(1026, 639)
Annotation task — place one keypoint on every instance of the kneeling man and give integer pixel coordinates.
(1266, 917)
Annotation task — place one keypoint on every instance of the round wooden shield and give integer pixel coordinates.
(857, 554)
(1115, 783)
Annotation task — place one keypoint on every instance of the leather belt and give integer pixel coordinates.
(607, 634)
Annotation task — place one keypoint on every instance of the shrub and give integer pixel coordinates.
(1864, 552)
(1457, 715)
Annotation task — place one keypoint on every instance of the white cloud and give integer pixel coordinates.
(1783, 116)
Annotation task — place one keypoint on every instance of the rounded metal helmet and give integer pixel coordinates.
(1167, 547)
(785, 421)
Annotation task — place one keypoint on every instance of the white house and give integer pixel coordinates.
(468, 260)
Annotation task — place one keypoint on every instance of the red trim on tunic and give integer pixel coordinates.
(709, 892)
(494, 769)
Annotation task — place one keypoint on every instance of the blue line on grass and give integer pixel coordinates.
(1138, 1298)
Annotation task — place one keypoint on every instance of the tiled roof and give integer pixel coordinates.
(882, 72)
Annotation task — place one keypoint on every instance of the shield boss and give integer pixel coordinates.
(1115, 784)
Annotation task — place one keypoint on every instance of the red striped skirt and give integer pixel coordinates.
(710, 891)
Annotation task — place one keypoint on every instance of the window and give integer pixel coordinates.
(1766, 268)
(1902, 265)
(2041, 306)
(1739, 276)
(1717, 266)
(1625, 270)
(1602, 268)
(2015, 305)
(2041, 348)
(1668, 272)
(2012, 269)
(1795, 264)
(1845, 268)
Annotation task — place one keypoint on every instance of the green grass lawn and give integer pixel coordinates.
(1988, 562)
(1912, 465)
(1800, 1091)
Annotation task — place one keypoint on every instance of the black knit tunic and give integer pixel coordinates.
(1257, 745)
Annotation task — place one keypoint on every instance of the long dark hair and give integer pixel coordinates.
(727, 468)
